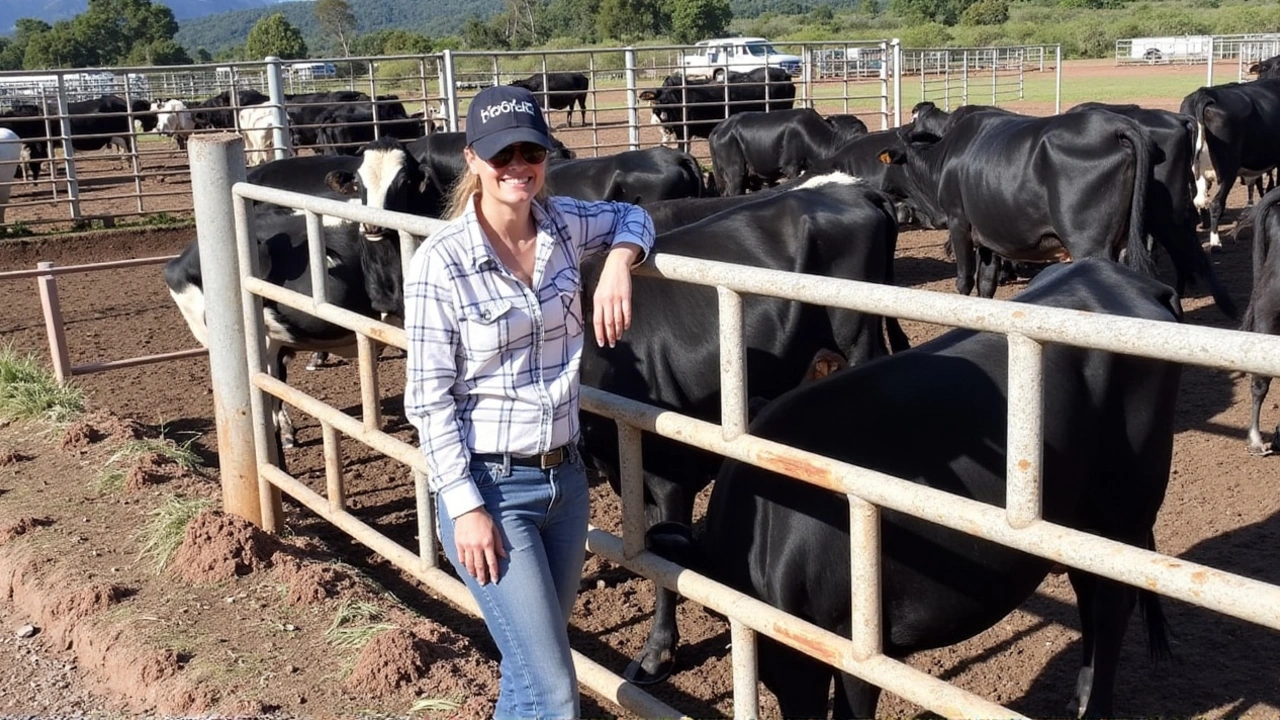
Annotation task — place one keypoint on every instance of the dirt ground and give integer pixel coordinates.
(237, 624)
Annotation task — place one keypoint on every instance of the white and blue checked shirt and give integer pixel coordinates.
(493, 363)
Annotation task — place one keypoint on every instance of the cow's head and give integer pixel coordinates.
(919, 156)
(390, 178)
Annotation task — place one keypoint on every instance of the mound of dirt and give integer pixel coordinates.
(218, 547)
(310, 583)
(22, 527)
(154, 469)
(98, 425)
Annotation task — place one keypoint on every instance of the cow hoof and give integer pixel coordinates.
(288, 441)
(1261, 449)
(649, 669)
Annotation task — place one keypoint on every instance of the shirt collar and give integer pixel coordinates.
(479, 249)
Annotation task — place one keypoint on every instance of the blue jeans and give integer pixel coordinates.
(543, 518)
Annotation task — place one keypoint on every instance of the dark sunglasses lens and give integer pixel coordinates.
(533, 154)
(503, 157)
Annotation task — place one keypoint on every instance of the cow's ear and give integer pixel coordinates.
(892, 156)
(425, 171)
(1255, 68)
(649, 95)
(342, 182)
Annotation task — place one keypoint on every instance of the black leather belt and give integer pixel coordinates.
(545, 461)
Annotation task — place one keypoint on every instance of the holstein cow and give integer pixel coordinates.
(1031, 189)
(344, 130)
(1266, 69)
(1108, 440)
(859, 156)
(634, 176)
(305, 110)
(1171, 220)
(1263, 313)
(364, 270)
(562, 90)
(173, 119)
(10, 158)
(688, 109)
(1235, 124)
(95, 124)
(257, 126)
(750, 150)
(669, 357)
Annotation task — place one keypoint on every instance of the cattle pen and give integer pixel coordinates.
(1219, 531)
(251, 479)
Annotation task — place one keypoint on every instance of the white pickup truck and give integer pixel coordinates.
(713, 58)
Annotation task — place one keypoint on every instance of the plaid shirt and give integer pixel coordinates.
(493, 363)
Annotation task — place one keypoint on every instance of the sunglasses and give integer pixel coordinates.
(532, 153)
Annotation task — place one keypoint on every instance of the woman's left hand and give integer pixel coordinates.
(612, 301)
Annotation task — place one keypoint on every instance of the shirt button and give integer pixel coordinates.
(484, 314)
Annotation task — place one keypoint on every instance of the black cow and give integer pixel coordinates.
(1235, 124)
(343, 130)
(364, 268)
(95, 124)
(634, 176)
(1031, 189)
(1170, 219)
(1268, 69)
(752, 149)
(304, 111)
(860, 157)
(440, 155)
(1108, 429)
(669, 357)
(563, 89)
(693, 109)
(219, 111)
(927, 117)
(1263, 313)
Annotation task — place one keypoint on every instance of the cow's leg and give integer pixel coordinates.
(801, 683)
(1105, 608)
(989, 265)
(1216, 206)
(655, 660)
(858, 700)
(1257, 446)
(582, 109)
(317, 361)
(966, 259)
(278, 364)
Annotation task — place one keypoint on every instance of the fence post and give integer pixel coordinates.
(633, 116)
(68, 154)
(449, 91)
(48, 285)
(280, 136)
(217, 162)
(1209, 78)
(1057, 83)
(884, 83)
(897, 82)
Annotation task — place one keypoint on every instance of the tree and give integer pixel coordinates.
(694, 20)
(628, 20)
(944, 12)
(391, 42)
(109, 29)
(336, 18)
(574, 19)
(273, 35)
(57, 47)
(986, 12)
(160, 52)
(13, 53)
(480, 35)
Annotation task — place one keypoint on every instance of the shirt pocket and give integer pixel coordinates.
(568, 284)
(484, 333)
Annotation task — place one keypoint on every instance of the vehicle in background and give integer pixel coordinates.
(715, 58)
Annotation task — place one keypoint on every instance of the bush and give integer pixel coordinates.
(1245, 19)
(927, 35)
(986, 12)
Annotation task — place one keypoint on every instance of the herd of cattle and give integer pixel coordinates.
(1106, 187)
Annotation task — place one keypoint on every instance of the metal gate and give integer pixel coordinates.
(951, 77)
(253, 483)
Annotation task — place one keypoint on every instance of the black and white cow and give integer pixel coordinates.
(10, 157)
(364, 266)
(1108, 440)
(669, 357)
(750, 150)
(562, 90)
(305, 109)
(95, 124)
(1235, 127)
(1031, 189)
(219, 111)
(1266, 69)
(690, 108)
(344, 129)
(1171, 218)
(1263, 313)
(174, 120)
(634, 176)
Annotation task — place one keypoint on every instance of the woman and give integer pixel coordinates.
(495, 338)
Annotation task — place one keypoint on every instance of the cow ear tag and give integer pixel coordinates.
(884, 158)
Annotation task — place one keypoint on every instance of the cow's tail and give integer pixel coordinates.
(694, 170)
(1200, 151)
(1137, 256)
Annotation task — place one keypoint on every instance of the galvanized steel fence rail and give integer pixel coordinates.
(239, 377)
(950, 77)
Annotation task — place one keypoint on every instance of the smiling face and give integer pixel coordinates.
(517, 184)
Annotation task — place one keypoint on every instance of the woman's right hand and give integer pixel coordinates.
(479, 544)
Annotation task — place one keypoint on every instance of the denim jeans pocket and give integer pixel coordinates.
(485, 474)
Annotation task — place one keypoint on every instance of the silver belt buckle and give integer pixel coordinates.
(548, 460)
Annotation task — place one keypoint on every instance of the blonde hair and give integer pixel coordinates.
(469, 184)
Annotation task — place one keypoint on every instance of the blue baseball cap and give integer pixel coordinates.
(502, 115)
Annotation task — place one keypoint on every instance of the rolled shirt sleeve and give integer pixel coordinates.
(598, 226)
(431, 370)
